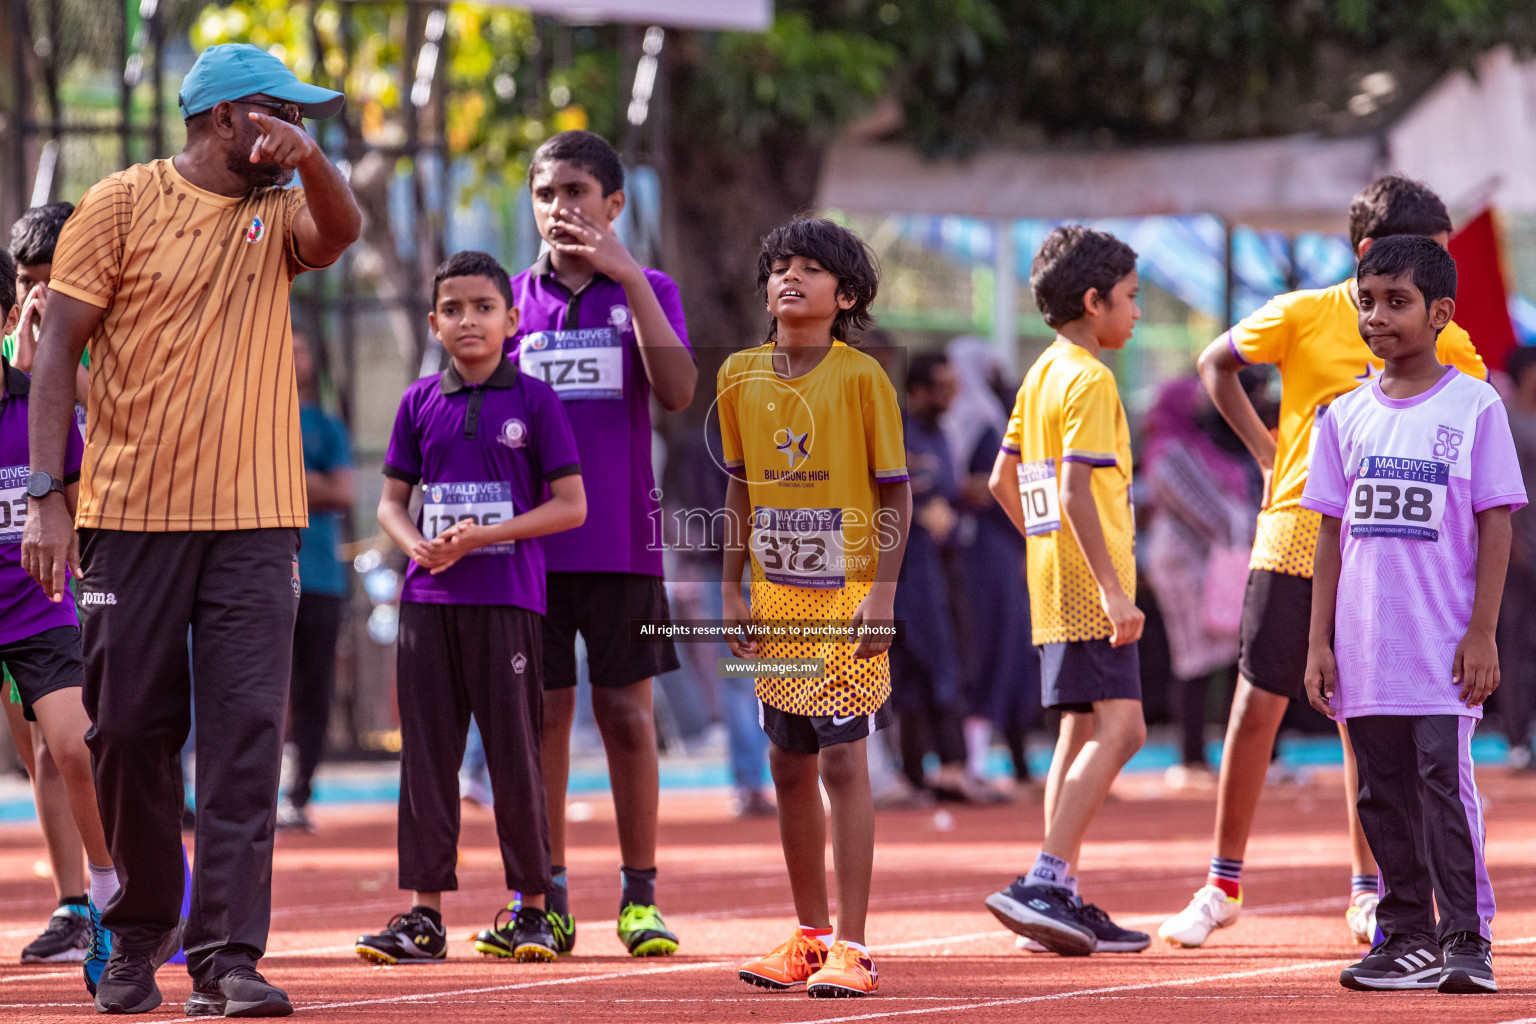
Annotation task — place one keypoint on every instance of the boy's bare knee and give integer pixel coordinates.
(790, 769)
(842, 765)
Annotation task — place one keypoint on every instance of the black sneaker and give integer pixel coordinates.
(1399, 963)
(65, 938)
(239, 992)
(409, 938)
(527, 937)
(1468, 965)
(1045, 914)
(128, 984)
(1108, 936)
(564, 929)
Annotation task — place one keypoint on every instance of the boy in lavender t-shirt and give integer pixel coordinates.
(1406, 596)
(607, 334)
(490, 452)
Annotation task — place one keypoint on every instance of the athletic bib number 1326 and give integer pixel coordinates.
(484, 504)
(1394, 497)
(1038, 494)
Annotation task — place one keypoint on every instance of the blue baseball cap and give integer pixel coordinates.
(233, 71)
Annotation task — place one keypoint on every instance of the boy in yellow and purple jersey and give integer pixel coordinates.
(1313, 338)
(811, 435)
(1063, 477)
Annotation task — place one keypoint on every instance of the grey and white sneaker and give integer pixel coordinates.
(1468, 965)
(1400, 963)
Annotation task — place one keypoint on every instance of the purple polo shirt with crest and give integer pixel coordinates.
(24, 607)
(583, 344)
(485, 451)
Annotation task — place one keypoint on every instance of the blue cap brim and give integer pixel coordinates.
(316, 102)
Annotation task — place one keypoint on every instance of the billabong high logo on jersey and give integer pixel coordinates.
(1448, 443)
(256, 231)
(794, 446)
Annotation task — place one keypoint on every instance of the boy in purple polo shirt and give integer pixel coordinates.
(40, 639)
(484, 444)
(1415, 475)
(606, 334)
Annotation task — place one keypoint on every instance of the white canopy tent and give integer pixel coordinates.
(1472, 138)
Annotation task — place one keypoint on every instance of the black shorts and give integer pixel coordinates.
(599, 606)
(1075, 674)
(808, 734)
(1272, 644)
(44, 662)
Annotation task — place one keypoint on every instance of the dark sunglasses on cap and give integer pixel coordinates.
(282, 110)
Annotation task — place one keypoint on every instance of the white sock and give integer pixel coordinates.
(978, 743)
(103, 884)
(1048, 870)
(1072, 884)
(857, 945)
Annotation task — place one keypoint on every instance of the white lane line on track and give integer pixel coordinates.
(572, 979)
(38, 977)
(1075, 993)
(1170, 983)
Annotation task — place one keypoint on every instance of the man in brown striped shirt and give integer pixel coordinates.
(177, 274)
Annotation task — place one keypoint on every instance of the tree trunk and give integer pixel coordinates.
(718, 203)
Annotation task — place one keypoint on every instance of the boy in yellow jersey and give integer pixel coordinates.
(1063, 476)
(1313, 337)
(811, 435)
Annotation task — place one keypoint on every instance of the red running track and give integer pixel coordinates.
(942, 957)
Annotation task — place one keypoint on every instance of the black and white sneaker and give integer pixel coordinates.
(65, 938)
(526, 936)
(1110, 937)
(239, 992)
(1044, 914)
(409, 938)
(1399, 963)
(1468, 965)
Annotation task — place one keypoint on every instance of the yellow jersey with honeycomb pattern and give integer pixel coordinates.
(813, 451)
(1313, 338)
(1068, 410)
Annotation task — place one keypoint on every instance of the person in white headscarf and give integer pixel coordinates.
(1001, 667)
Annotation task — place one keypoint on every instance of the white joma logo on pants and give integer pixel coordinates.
(92, 598)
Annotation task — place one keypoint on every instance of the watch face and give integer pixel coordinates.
(39, 484)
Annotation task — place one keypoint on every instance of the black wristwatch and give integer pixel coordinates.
(40, 485)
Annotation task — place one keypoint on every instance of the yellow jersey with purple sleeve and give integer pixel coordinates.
(813, 451)
(1068, 410)
(1313, 339)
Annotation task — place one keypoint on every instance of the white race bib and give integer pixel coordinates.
(581, 364)
(1039, 493)
(485, 504)
(799, 547)
(1398, 497)
(13, 502)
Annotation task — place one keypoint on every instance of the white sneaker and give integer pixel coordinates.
(1027, 943)
(1210, 909)
(1361, 916)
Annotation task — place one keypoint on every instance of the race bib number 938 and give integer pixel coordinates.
(1397, 497)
